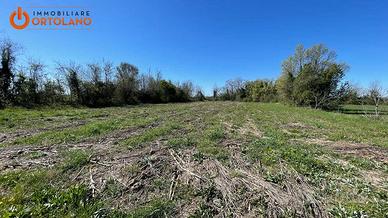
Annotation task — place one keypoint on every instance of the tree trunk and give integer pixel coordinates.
(377, 107)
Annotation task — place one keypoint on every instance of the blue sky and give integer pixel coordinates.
(210, 41)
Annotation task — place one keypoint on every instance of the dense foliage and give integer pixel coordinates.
(310, 77)
(93, 85)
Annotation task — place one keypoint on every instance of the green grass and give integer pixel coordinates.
(150, 135)
(31, 194)
(274, 140)
(364, 109)
(75, 159)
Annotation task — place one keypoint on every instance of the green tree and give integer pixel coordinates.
(127, 84)
(261, 91)
(284, 86)
(72, 73)
(53, 93)
(25, 91)
(314, 77)
(169, 92)
(8, 58)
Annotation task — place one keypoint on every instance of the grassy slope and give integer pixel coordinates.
(321, 148)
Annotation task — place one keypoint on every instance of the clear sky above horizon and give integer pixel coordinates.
(211, 41)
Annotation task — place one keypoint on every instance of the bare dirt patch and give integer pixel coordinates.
(362, 150)
(27, 157)
(357, 149)
(248, 128)
(10, 137)
(295, 128)
(297, 125)
(32, 156)
(375, 178)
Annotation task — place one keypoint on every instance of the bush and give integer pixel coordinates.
(261, 91)
(312, 77)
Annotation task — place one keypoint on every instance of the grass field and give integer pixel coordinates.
(192, 160)
(364, 109)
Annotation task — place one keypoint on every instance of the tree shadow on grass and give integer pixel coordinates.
(362, 111)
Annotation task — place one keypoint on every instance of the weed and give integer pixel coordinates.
(75, 159)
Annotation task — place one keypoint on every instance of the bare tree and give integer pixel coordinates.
(72, 72)
(95, 71)
(234, 85)
(234, 89)
(188, 88)
(144, 81)
(199, 94)
(108, 70)
(36, 72)
(216, 91)
(127, 83)
(376, 94)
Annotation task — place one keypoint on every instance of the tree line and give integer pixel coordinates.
(310, 77)
(93, 85)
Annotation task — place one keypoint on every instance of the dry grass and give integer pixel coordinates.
(202, 159)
